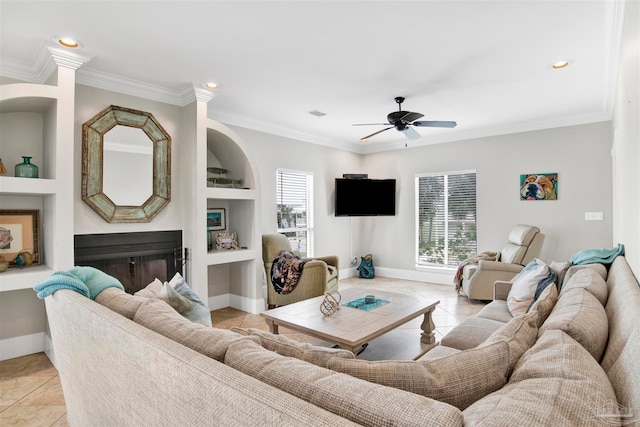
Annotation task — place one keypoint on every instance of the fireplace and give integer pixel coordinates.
(136, 259)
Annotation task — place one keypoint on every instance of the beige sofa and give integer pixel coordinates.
(126, 360)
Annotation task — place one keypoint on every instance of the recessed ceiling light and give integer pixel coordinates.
(68, 42)
(211, 85)
(560, 64)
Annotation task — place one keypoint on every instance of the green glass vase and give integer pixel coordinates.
(26, 169)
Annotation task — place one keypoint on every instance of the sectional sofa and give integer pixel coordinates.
(129, 360)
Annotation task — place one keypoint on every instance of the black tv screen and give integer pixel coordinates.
(365, 197)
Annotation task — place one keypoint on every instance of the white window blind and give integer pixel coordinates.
(294, 196)
(445, 218)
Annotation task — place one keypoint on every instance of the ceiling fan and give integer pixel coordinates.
(404, 120)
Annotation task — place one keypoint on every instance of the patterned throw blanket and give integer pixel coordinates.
(285, 272)
(489, 256)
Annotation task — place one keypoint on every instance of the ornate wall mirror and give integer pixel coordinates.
(126, 165)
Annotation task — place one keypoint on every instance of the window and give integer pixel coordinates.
(294, 202)
(445, 218)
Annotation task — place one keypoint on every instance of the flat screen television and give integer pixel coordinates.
(365, 197)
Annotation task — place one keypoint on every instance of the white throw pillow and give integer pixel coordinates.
(524, 286)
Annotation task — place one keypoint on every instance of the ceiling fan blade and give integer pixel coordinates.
(375, 133)
(435, 124)
(411, 133)
(370, 124)
(410, 116)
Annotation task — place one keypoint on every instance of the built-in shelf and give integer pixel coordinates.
(230, 193)
(226, 256)
(23, 278)
(27, 186)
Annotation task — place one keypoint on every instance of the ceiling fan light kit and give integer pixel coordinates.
(403, 122)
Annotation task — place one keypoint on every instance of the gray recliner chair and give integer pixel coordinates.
(525, 244)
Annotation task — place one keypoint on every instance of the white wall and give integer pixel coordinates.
(271, 152)
(627, 140)
(579, 154)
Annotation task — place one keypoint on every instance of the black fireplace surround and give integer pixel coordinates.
(136, 259)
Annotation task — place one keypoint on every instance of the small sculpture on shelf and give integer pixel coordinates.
(220, 180)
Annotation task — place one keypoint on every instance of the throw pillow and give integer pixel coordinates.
(179, 295)
(459, 379)
(530, 282)
(288, 347)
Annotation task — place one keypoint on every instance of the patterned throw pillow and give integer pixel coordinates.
(179, 295)
(528, 285)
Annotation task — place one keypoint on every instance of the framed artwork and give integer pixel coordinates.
(216, 219)
(19, 233)
(539, 186)
(226, 241)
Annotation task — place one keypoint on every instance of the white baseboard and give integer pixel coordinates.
(22, 345)
(442, 278)
(250, 305)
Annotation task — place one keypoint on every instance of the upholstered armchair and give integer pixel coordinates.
(525, 244)
(316, 278)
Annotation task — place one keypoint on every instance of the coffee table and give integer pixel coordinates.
(351, 328)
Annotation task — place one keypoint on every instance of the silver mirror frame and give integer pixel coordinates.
(93, 160)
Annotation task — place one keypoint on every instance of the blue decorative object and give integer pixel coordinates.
(361, 303)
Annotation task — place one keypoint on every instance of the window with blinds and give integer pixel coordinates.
(446, 218)
(294, 197)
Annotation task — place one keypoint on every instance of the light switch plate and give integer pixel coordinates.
(593, 216)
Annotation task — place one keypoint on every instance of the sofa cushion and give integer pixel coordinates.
(582, 317)
(472, 332)
(459, 379)
(590, 280)
(119, 301)
(545, 303)
(360, 401)
(520, 334)
(179, 295)
(288, 347)
(438, 352)
(555, 383)
(158, 316)
(528, 284)
(496, 310)
(598, 268)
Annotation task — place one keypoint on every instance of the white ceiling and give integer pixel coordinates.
(484, 64)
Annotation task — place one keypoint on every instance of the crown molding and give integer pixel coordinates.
(260, 126)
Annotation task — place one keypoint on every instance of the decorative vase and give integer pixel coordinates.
(26, 169)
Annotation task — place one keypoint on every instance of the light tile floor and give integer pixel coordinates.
(31, 395)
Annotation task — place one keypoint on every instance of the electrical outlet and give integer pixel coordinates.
(354, 260)
(593, 216)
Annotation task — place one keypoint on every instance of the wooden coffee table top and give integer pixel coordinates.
(351, 327)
